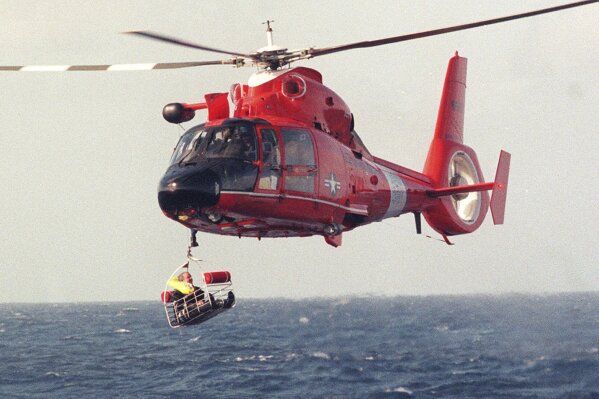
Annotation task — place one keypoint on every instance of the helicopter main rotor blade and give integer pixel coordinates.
(314, 52)
(173, 40)
(116, 67)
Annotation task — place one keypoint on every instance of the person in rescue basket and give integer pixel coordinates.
(187, 308)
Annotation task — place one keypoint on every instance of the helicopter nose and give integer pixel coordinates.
(193, 189)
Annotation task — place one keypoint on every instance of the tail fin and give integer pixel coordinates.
(450, 120)
(450, 163)
(449, 131)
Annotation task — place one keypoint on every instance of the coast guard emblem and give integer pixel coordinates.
(332, 184)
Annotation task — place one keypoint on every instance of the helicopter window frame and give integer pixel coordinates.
(269, 177)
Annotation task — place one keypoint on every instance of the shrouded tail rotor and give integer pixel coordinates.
(462, 173)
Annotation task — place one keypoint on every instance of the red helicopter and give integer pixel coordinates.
(286, 161)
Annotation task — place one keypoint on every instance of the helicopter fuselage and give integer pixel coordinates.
(326, 189)
(304, 172)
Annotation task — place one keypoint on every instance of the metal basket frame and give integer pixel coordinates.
(198, 306)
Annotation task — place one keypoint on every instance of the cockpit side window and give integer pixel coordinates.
(270, 148)
(271, 160)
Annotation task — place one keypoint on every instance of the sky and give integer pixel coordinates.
(81, 153)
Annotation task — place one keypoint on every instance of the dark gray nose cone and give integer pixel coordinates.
(188, 189)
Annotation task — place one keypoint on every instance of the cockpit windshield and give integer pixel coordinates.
(189, 144)
(233, 141)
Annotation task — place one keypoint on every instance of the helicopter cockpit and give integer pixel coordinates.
(222, 142)
(208, 159)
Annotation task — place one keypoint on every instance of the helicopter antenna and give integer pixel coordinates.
(268, 32)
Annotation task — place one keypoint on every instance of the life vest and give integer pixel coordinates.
(181, 286)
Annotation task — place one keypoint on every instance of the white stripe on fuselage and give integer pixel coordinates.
(397, 188)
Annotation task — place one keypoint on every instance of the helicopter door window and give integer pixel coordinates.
(271, 160)
(300, 165)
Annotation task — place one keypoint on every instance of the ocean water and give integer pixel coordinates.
(513, 346)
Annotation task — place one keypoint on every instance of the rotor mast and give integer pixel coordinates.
(268, 32)
(271, 57)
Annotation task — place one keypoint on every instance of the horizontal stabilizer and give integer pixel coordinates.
(500, 188)
(443, 192)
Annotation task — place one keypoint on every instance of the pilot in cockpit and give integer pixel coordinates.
(241, 146)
